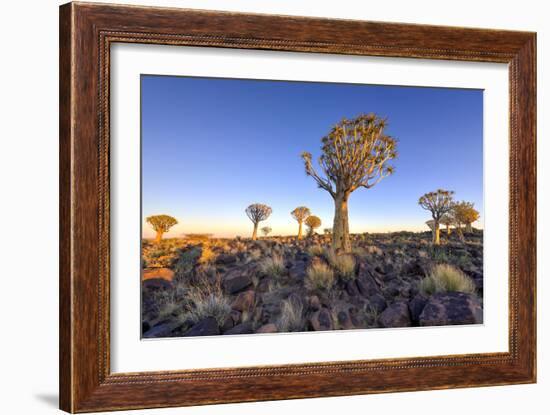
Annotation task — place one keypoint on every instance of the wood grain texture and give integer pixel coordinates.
(86, 33)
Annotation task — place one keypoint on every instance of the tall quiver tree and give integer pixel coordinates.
(257, 212)
(161, 224)
(300, 214)
(356, 153)
(438, 203)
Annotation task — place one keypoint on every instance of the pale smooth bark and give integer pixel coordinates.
(159, 237)
(255, 232)
(340, 228)
(300, 230)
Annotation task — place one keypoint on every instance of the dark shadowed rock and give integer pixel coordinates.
(244, 301)
(314, 303)
(226, 259)
(235, 281)
(205, 327)
(163, 329)
(378, 302)
(298, 270)
(367, 286)
(321, 320)
(450, 309)
(157, 284)
(351, 288)
(395, 315)
(228, 324)
(416, 305)
(243, 328)
(145, 326)
(344, 320)
(267, 328)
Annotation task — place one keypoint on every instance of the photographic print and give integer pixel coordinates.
(285, 206)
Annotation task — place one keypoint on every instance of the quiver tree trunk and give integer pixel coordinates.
(435, 233)
(448, 230)
(340, 228)
(460, 233)
(159, 237)
(300, 230)
(255, 232)
(468, 228)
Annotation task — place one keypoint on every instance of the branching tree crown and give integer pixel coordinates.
(438, 203)
(313, 222)
(464, 213)
(356, 153)
(257, 212)
(300, 213)
(161, 224)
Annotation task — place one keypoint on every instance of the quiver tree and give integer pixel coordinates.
(438, 203)
(356, 153)
(300, 214)
(466, 214)
(312, 223)
(161, 224)
(257, 213)
(447, 221)
(266, 230)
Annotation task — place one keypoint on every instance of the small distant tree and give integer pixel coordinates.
(447, 220)
(257, 212)
(466, 214)
(327, 231)
(438, 203)
(161, 224)
(312, 223)
(355, 153)
(300, 214)
(266, 230)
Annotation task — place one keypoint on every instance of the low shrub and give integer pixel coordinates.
(291, 318)
(446, 278)
(273, 266)
(315, 250)
(319, 276)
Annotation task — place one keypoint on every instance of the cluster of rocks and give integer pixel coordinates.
(383, 292)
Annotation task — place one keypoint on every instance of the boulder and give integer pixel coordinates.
(236, 281)
(378, 302)
(416, 305)
(344, 320)
(267, 328)
(156, 284)
(298, 270)
(321, 320)
(367, 286)
(226, 259)
(164, 329)
(351, 288)
(205, 327)
(452, 308)
(244, 301)
(314, 303)
(243, 328)
(395, 315)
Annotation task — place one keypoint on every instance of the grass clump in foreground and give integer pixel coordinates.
(319, 276)
(343, 264)
(291, 318)
(446, 278)
(273, 266)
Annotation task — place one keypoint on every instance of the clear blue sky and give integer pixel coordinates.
(211, 147)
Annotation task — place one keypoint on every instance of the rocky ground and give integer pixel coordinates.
(202, 286)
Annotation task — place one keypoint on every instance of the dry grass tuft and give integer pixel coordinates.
(273, 266)
(291, 318)
(319, 276)
(446, 278)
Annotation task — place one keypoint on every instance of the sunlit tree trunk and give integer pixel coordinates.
(448, 230)
(300, 230)
(340, 229)
(468, 228)
(159, 237)
(459, 232)
(255, 232)
(435, 233)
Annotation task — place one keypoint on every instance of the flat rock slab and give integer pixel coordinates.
(453, 308)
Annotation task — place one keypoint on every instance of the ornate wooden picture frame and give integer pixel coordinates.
(87, 32)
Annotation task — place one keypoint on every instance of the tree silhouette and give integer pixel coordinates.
(465, 214)
(438, 203)
(312, 223)
(257, 212)
(355, 154)
(266, 230)
(161, 224)
(300, 214)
